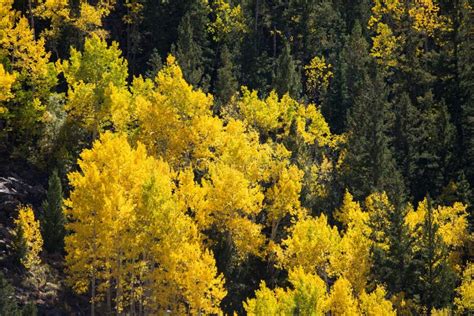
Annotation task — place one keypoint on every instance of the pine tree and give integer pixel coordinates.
(8, 304)
(392, 254)
(407, 127)
(369, 164)
(466, 76)
(226, 84)
(348, 80)
(436, 281)
(154, 64)
(53, 220)
(431, 142)
(191, 49)
(286, 75)
(354, 62)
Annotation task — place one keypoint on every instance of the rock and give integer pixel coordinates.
(15, 191)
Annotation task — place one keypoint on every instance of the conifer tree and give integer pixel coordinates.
(286, 74)
(392, 253)
(191, 49)
(369, 164)
(154, 64)
(8, 304)
(436, 280)
(53, 220)
(466, 76)
(349, 78)
(226, 84)
(431, 142)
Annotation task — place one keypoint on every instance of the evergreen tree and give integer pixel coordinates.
(431, 138)
(369, 164)
(466, 76)
(53, 220)
(406, 128)
(394, 265)
(8, 304)
(436, 281)
(226, 84)
(349, 79)
(286, 75)
(154, 64)
(190, 47)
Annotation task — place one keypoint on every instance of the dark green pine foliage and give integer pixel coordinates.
(325, 35)
(437, 280)
(466, 74)
(8, 301)
(348, 79)
(394, 266)
(369, 164)
(19, 245)
(8, 304)
(154, 64)
(286, 74)
(355, 11)
(407, 127)
(432, 142)
(459, 190)
(226, 84)
(191, 48)
(52, 219)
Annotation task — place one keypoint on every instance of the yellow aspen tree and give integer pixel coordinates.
(341, 300)
(266, 302)
(87, 19)
(100, 212)
(282, 198)
(310, 244)
(228, 20)
(390, 35)
(318, 73)
(57, 12)
(464, 301)
(182, 274)
(232, 204)
(6, 81)
(306, 296)
(130, 237)
(94, 76)
(452, 227)
(352, 260)
(378, 206)
(170, 115)
(27, 230)
(34, 75)
(273, 115)
(375, 303)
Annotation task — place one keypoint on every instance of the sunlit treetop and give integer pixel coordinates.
(388, 24)
(277, 116)
(6, 81)
(228, 19)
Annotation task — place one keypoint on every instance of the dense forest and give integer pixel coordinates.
(246, 157)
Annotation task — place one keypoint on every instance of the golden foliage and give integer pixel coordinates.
(310, 245)
(465, 292)
(318, 74)
(28, 230)
(128, 229)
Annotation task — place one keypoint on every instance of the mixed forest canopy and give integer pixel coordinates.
(257, 157)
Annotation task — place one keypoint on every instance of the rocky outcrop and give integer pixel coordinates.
(15, 191)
